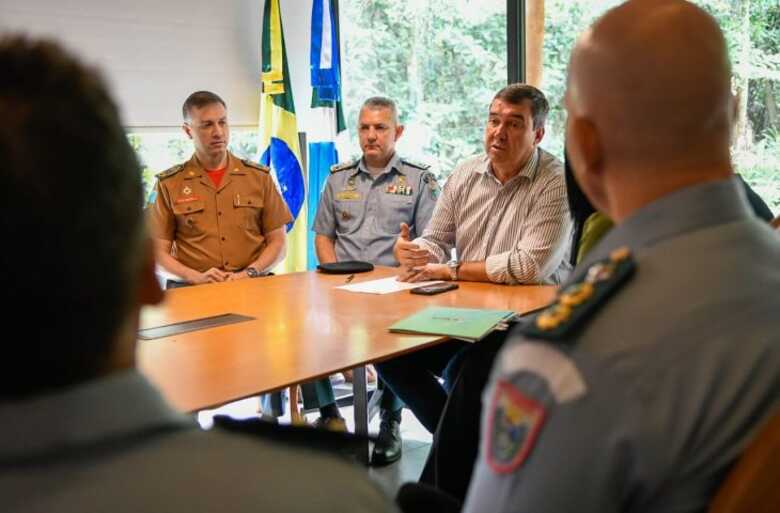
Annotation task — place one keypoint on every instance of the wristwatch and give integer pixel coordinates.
(253, 273)
(453, 265)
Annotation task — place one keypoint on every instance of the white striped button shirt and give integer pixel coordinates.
(521, 229)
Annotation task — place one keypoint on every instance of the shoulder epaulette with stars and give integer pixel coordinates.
(255, 165)
(170, 171)
(418, 165)
(577, 303)
(343, 166)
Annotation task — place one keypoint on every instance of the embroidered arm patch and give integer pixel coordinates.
(513, 427)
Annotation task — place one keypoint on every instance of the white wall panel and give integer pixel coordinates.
(154, 53)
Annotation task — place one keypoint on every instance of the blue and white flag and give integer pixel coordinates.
(327, 115)
(325, 52)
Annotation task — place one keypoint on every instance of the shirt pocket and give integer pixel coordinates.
(395, 210)
(349, 215)
(190, 217)
(249, 212)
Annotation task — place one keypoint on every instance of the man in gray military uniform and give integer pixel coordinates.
(80, 428)
(359, 217)
(640, 387)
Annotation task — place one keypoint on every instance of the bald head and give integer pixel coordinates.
(653, 77)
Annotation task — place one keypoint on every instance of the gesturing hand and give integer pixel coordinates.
(409, 254)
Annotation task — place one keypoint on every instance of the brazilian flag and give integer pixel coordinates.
(281, 149)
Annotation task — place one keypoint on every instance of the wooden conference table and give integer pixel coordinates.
(304, 328)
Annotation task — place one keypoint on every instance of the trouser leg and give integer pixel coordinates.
(390, 402)
(414, 379)
(457, 437)
(317, 394)
(273, 404)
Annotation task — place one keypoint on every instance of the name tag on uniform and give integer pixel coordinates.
(187, 199)
(348, 195)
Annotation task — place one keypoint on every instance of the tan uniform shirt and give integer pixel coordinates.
(221, 227)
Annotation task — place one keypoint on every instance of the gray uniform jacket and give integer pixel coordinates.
(363, 214)
(114, 445)
(647, 404)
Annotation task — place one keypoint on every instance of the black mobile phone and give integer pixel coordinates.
(437, 288)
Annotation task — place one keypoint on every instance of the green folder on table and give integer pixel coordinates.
(470, 324)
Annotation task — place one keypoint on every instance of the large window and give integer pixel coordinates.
(752, 29)
(440, 60)
(159, 150)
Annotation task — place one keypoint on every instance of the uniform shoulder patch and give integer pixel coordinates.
(170, 171)
(513, 426)
(578, 301)
(418, 165)
(255, 165)
(430, 180)
(342, 166)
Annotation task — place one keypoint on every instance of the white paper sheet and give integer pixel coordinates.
(384, 286)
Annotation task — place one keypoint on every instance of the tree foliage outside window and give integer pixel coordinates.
(440, 60)
(752, 30)
(443, 60)
(158, 151)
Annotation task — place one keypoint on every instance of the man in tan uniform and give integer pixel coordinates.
(216, 217)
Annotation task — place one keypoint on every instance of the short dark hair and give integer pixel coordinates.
(516, 94)
(71, 217)
(381, 102)
(197, 100)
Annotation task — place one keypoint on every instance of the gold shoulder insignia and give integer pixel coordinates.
(255, 165)
(418, 165)
(343, 166)
(170, 171)
(580, 300)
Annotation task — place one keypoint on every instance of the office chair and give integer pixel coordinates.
(752, 485)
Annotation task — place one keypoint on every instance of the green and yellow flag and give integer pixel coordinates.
(279, 143)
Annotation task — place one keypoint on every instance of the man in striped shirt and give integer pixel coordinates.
(506, 215)
(504, 211)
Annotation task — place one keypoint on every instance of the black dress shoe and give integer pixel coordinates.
(387, 448)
